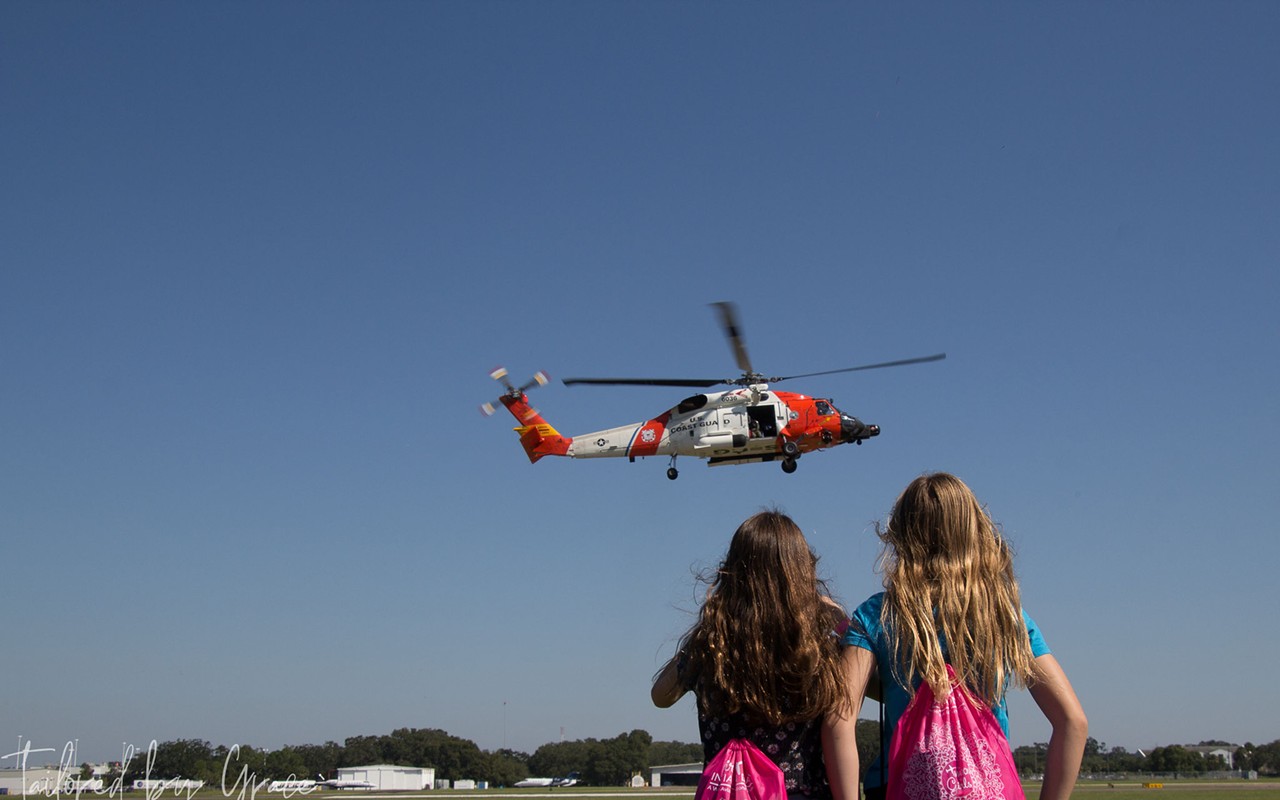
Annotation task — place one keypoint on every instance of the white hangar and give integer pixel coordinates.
(390, 778)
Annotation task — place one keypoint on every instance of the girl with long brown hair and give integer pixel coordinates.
(762, 658)
(950, 598)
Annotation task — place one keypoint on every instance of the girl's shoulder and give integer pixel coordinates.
(864, 624)
(871, 606)
(1039, 647)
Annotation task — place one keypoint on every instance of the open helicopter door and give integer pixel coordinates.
(763, 421)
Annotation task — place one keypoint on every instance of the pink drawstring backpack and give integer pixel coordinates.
(950, 750)
(741, 771)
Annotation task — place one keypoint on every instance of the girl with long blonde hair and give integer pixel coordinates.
(762, 657)
(950, 597)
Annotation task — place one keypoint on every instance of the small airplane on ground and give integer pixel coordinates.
(338, 783)
(748, 424)
(547, 783)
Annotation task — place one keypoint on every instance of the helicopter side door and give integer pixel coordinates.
(762, 421)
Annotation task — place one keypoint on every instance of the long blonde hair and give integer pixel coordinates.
(763, 643)
(949, 573)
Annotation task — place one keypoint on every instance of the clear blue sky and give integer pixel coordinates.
(258, 259)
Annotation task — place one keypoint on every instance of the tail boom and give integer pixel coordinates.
(537, 436)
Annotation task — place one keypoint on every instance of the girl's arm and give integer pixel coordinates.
(666, 687)
(839, 730)
(1053, 693)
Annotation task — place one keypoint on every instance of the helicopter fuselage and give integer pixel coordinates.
(737, 426)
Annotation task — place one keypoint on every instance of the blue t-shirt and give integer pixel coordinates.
(865, 631)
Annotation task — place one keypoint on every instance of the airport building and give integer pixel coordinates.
(675, 775)
(1227, 753)
(390, 778)
(46, 781)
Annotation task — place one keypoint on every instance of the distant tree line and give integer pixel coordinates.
(598, 762)
(1101, 760)
(1264, 758)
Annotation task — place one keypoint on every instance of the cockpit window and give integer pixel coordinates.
(823, 407)
(691, 404)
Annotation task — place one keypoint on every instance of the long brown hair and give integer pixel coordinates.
(763, 642)
(948, 572)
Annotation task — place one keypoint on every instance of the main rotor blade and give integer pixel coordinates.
(698, 382)
(903, 362)
(729, 321)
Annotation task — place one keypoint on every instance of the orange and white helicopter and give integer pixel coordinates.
(748, 424)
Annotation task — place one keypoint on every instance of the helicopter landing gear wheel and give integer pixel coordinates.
(672, 472)
(791, 450)
(789, 465)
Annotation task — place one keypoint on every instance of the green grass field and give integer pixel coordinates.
(1085, 790)
(1172, 790)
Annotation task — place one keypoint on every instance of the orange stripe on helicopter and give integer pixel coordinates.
(645, 441)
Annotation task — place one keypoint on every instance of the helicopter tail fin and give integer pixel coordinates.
(537, 435)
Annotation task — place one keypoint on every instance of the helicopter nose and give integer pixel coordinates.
(852, 430)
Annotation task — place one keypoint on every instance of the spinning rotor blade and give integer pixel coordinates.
(698, 382)
(728, 313)
(729, 322)
(903, 362)
(499, 374)
(539, 379)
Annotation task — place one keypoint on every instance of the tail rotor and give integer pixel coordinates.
(512, 392)
(537, 436)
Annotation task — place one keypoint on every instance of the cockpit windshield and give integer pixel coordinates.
(823, 407)
(690, 404)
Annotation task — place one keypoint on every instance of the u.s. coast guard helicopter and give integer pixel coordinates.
(747, 424)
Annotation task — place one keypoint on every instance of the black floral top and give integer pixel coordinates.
(796, 747)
